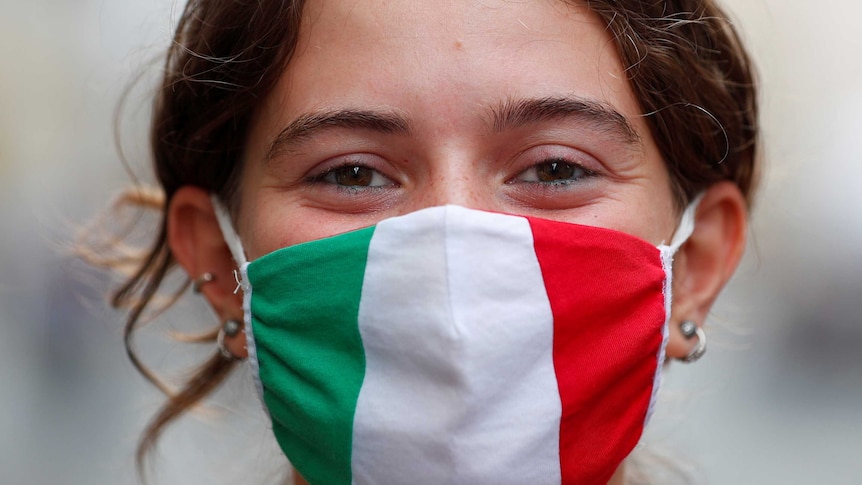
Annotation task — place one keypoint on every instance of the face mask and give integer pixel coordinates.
(456, 346)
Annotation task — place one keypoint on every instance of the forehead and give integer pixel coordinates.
(403, 54)
(375, 20)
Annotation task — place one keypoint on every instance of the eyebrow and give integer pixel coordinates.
(508, 115)
(309, 124)
(515, 113)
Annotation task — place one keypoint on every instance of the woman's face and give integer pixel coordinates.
(391, 106)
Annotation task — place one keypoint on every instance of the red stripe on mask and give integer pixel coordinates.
(608, 305)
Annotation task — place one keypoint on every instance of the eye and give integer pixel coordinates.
(354, 176)
(553, 177)
(554, 171)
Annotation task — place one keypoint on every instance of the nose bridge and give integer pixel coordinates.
(454, 179)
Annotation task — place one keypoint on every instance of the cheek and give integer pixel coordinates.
(271, 220)
(643, 207)
(265, 227)
(659, 218)
(657, 215)
(260, 227)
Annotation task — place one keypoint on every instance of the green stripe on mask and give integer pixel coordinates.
(305, 302)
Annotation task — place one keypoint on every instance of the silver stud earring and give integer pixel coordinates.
(200, 281)
(690, 330)
(230, 328)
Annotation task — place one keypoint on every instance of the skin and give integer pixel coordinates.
(432, 77)
(445, 69)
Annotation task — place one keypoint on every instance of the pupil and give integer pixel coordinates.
(554, 171)
(353, 176)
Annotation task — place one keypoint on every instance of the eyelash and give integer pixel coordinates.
(320, 178)
(579, 175)
(577, 178)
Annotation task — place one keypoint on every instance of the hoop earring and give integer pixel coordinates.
(690, 330)
(230, 328)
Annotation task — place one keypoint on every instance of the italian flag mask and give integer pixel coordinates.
(456, 346)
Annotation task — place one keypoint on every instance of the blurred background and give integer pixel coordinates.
(777, 400)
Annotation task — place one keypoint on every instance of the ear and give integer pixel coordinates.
(707, 260)
(198, 246)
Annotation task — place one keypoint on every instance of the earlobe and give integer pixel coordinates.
(197, 245)
(707, 260)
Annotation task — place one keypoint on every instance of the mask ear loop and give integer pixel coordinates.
(231, 238)
(686, 225)
(683, 231)
(233, 242)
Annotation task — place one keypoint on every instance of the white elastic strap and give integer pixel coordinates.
(233, 242)
(680, 236)
(227, 230)
(686, 225)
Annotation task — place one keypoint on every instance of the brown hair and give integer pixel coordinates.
(695, 83)
(686, 65)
